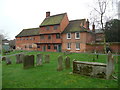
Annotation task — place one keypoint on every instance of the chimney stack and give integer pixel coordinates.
(93, 27)
(47, 14)
(87, 24)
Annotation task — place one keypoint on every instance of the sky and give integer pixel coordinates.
(16, 15)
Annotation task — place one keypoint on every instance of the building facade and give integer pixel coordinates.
(57, 34)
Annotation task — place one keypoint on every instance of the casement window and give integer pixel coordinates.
(77, 46)
(55, 47)
(42, 37)
(49, 47)
(68, 35)
(30, 46)
(69, 46)
(47, 28)
(49, 36)
(77, 35)
(57, 36)
(55, 27)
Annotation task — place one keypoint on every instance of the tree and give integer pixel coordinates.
(101, 17)
(112, 30)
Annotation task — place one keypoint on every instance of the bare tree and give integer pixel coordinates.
(102, 7)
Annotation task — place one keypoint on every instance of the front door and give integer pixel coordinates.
(44, 48)
(59, 48)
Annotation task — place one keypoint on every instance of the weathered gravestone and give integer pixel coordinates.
(19, 58)
(39, 59)
(3, 58)
(110, 66)
(60, 62)
(47, 58)
(8, 61)
(67, 62)
(28, 61)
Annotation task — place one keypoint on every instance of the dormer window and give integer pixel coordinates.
(77, 35)
(68, 35)
(55, 27)
(47, 28)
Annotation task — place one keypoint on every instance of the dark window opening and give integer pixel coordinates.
(57, 36)
(55, 47)
(49, 36)
(49, 47)
(38, 46)
(30, 46)
(47, 28)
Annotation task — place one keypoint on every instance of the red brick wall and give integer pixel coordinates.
(51, 30)
(52, 40)
(21, 42)
(64, 23)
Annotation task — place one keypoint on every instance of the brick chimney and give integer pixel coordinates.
(87, 24)
(47, 14)
(93, 27)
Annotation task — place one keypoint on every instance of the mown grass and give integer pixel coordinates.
(47, 76)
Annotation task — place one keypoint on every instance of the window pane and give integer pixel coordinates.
(42, 37)
(49, 36)
(77, 45)
(47, 28)
(57, 36)
(55, 27)
(55, 46)
(68, 35)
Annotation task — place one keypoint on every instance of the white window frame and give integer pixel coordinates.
(67, 35)
(76, 46)
(76, 35)
(68, 46)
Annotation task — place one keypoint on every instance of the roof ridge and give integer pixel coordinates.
(77, 20)
(58, 14)
(31, 28)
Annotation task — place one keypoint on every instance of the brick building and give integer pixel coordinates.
(56, 33)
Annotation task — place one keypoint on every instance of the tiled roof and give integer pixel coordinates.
(52, 20)
(74, 26)
(28, 32)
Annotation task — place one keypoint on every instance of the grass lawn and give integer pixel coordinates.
(47, 76)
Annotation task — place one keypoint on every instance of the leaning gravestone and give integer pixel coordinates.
(39, 59)
(60, 61)
(110, 66)
(47, 58)
(67, 62)
(28, 61)
(8, 61)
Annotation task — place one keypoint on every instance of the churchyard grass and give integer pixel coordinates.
(47, 76)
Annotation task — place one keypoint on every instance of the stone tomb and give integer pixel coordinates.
(39, 59)
(47, 58)
(95, 69)
(67, 62)
(19, 58)
(8, 61)
(60, 63)
(90, 69)
(28, 61)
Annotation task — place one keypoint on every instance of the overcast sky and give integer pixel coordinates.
(16, 15)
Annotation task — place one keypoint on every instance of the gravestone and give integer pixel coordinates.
(3, 58)
(110, 66)
(67, 62)
(39, 59)
(28, 61)
(8, 61)
(47, 58)
(60, 61)
(19, 58)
